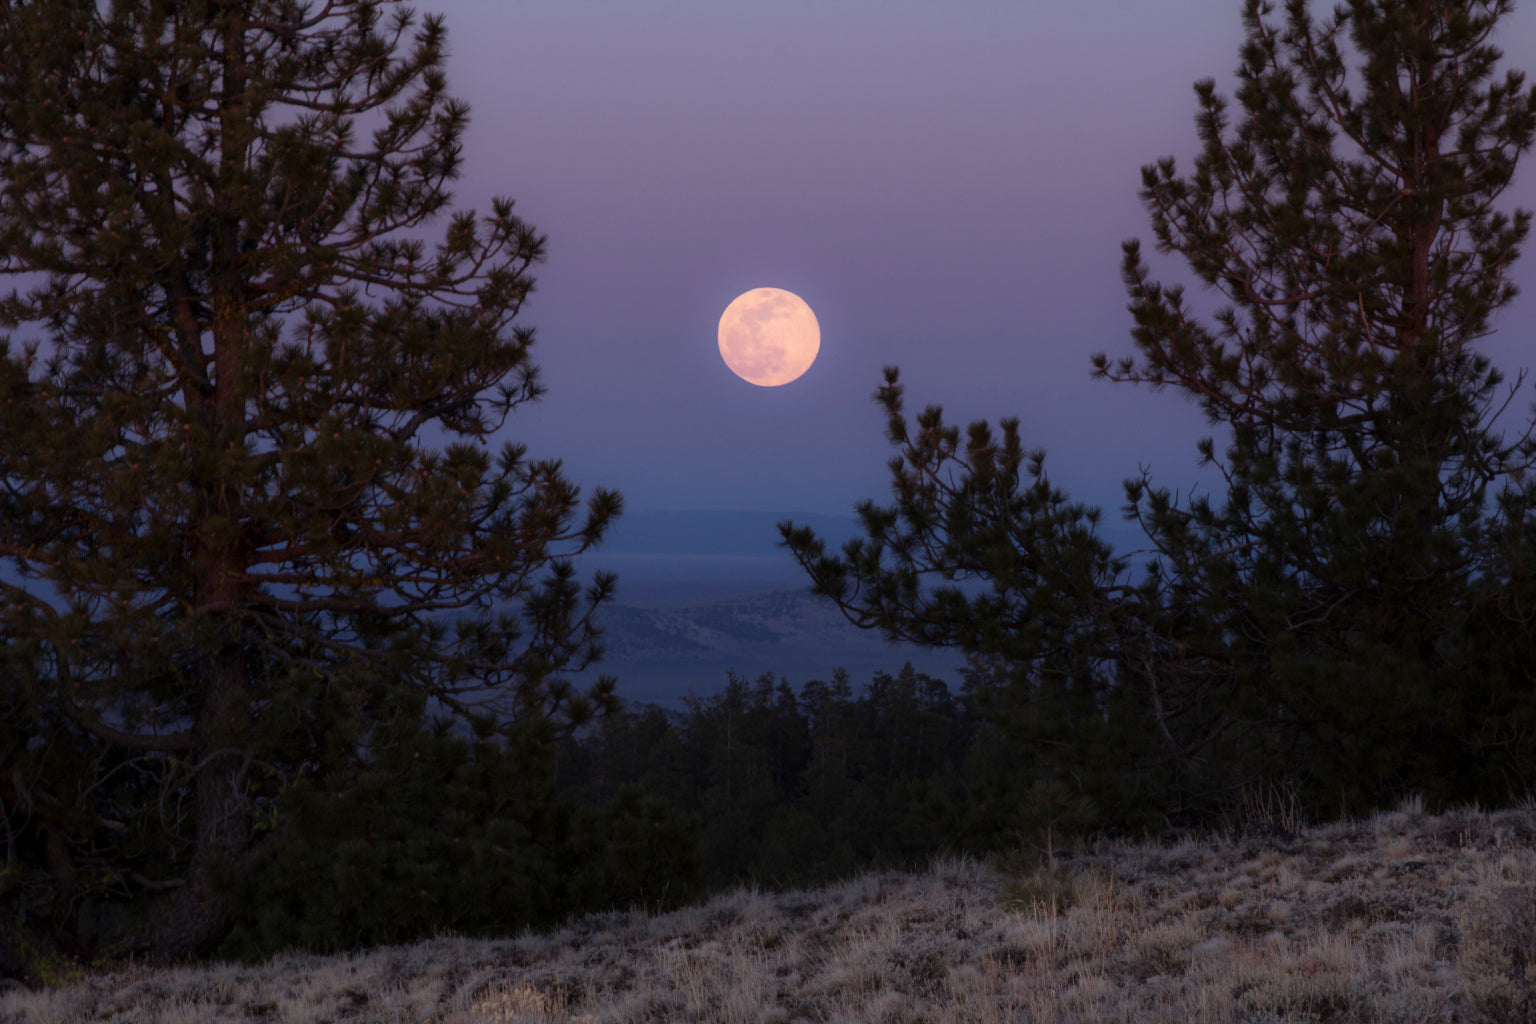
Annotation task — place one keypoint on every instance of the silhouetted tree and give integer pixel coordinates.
(826, 707)
(980, 552)
(461, 834)
(247, 505)
(1352, 613)
(822, 784)
(1326, 617)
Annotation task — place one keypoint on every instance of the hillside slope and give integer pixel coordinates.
(1403, 917)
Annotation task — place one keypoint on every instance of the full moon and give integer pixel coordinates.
(769, 336)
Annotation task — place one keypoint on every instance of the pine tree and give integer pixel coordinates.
(982, 553)
(443, 833)
(244, 410)
(1351, 615)
(1323, 617)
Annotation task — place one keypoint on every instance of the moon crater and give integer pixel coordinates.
(769, 336)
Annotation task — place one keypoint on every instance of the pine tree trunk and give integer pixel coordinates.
(184, 923)
(191, 920)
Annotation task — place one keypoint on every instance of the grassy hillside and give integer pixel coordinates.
(1403, 917)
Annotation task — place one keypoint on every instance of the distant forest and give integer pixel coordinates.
(792, 788)
(759, 784)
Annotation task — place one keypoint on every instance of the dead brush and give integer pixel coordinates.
(1498, 939)
(1268, 807)
(1044, 893)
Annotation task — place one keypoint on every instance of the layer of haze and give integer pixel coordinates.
(946, 183)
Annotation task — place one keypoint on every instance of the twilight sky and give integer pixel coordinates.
(946, 182)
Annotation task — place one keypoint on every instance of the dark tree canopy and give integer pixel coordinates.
(788, 790)
(982, 553)
(251, 366)
(1342, 593)
(1351, 615)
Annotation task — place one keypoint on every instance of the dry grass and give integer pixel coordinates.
(1403, 917)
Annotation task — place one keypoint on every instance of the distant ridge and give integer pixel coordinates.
(702, 593)
(661, 654)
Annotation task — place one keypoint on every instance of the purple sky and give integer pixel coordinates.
(946, 182)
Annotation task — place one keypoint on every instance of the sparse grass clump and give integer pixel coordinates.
(1402, 917)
